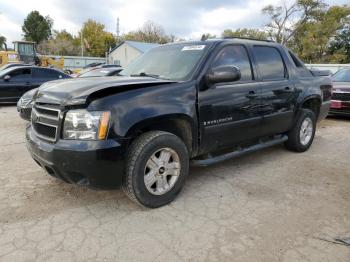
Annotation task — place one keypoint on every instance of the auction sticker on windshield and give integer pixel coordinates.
(193, 47)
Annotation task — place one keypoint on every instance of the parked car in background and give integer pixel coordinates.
(15, 81)
(12, 65)
(109, 65)
(25, 104)
(91, 65)
(85, 70)
(341, 93)
(97, 72)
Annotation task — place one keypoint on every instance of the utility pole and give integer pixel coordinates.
(82, 43)
(118, 31)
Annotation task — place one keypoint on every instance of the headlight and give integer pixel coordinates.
(85, 125)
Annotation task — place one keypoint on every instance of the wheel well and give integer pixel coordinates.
(177, 126)
(313, 104)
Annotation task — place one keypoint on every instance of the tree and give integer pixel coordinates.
(316, 40)
(96, 40)
(150, 32)
(285, 19)
(245, 33)
(341, 45)
(36, 27)
(207, 36)
(61, 43)
(2, 42)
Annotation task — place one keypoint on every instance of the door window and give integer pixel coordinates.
(270, 63)
(21, 73)
(235, 55)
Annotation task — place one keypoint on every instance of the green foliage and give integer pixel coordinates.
(316, 32)
(323, 39)
(340, 45)
(61, 43)
(36, 27)
(245, 33)
(284, 19)
(96, 40)
(2, 42)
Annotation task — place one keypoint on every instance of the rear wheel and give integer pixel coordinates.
(157, 167)
(301, 136)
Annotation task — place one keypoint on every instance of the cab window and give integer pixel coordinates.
(270, 63)
(235, 55)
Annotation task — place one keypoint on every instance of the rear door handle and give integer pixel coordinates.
(252, 94)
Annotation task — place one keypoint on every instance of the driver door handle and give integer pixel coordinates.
(287, 89)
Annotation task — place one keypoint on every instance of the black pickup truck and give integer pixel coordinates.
(200, 102)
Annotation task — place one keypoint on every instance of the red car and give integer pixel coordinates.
(341, 93)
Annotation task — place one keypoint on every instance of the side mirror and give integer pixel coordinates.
(222, 74)
(7, 78)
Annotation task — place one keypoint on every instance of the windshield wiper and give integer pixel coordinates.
(148, 75)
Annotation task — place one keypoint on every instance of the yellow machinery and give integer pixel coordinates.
(47, 61)
(25, 53)
(7, 57)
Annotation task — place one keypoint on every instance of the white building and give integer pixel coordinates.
(127, 51)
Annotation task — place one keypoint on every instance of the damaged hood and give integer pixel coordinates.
(77, 90)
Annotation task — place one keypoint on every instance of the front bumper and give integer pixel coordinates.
(24, 112)
(97, 164)
(324, 110)
(340, 108)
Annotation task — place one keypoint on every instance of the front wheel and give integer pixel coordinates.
(301, 136)
(156, 168)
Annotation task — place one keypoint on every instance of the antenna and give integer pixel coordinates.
(118, 32)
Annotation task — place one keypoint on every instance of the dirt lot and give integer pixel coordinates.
(268, 206)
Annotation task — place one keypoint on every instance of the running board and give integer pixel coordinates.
(239, 152)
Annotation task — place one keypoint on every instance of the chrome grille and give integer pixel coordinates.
(341, 96)
(45, 121)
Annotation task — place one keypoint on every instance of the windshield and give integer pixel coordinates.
(95, 73)
(173, 62)
(342, 76)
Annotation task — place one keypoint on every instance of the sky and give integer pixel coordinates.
(187, 19)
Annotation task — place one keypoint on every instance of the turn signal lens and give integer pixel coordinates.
(104, 122)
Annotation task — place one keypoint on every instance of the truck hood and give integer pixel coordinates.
(77, 90)
(341, 87)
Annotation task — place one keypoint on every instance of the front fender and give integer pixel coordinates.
(135, 107)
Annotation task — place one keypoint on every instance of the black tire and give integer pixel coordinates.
(140, 151)
(294, 138)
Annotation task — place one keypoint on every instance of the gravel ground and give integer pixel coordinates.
(271, 205)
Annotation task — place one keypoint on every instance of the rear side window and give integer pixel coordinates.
(235, 55)
(303, 71)
(46, 73)
(270, 63)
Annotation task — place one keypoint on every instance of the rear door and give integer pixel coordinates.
(43, 75)
(278, 94)
(229, 112)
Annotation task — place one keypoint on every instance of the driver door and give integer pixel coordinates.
(12, 89)
(229, 112)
